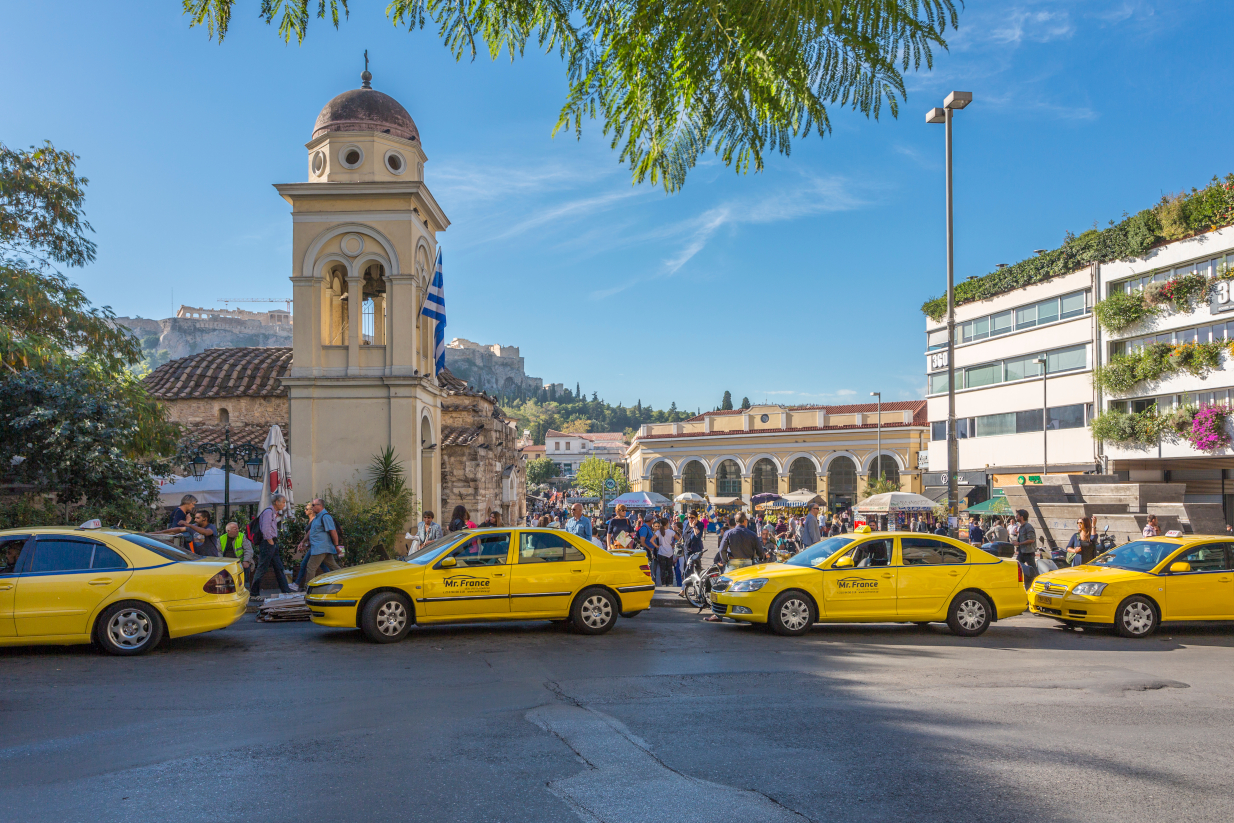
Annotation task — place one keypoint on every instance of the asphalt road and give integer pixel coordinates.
(663, 719)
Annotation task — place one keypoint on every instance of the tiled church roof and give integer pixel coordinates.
(228, 372)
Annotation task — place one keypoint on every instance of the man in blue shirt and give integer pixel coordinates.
(578, 525)
(323, 541)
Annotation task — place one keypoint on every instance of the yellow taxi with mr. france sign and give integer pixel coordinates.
(1142, 583)
(483, 575)
(880, 577)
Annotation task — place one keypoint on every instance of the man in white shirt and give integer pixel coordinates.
(663, 539)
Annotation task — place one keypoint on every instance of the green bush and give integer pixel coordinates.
(1121, 310)
(1201, 210)
(1131, 429)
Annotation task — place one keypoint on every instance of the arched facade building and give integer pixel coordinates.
(832, 450)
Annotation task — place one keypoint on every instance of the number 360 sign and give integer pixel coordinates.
(1222, 297)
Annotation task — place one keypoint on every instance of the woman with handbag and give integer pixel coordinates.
(1083, 544)
(301, 552)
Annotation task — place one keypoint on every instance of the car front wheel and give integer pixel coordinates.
(386, 617)
(129, 628)
(1136, 617)
(970, 614)
(792, 613)
(593, 612)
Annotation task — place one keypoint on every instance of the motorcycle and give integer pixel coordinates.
(1106, 541)
(698, 584)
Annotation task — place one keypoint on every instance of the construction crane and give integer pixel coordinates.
(226, 300)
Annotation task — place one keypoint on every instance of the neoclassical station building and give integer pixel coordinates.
(737, 454)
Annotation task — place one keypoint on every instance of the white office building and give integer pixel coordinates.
(1209, 476)
(1001, 390)
(568, 450)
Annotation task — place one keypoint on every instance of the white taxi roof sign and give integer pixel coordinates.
(1174, 533)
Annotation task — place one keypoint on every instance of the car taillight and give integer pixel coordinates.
(221, 583)
(1020, 571)
(646, 569)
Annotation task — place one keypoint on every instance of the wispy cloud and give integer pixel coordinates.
(571, 210)
(1036, 26)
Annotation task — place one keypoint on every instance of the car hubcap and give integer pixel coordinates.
(794, 614)
(971, 614)
(391, 618)
(1138, 618)
(597, 611)
(129, 629)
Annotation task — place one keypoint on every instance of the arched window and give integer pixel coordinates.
(841, 481)
(728, 479)
(694, 478)
(763, 477)
(662, 479)
(884, 466)
(802, 475)
(224, 417)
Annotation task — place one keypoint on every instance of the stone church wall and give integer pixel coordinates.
(477, 447)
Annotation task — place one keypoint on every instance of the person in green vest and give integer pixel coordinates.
(234, 544)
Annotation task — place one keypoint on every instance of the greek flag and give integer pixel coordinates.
(435, 308)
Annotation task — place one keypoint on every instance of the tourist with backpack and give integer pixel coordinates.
(263, 531)
(323, 541)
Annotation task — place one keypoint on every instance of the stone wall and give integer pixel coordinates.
(478, 448)
(183, 336)
(266, 411)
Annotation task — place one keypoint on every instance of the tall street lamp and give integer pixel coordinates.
(878, 449)
(226, 452)
(954, 101)
(1045, 419)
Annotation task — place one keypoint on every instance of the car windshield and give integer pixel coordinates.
(160, 548)
(819, 552)
(1139, 556)
(429, 552)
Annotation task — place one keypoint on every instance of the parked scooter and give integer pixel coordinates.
(699, 583)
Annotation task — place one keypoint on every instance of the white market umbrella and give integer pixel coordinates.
(896, 502)
(208, 489)
(689, 497)
(276, 469)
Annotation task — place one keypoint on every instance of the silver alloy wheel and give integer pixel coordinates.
(597, 611)
(129, 628)
(971, 614)
(795, 614)
(1138, 617)
(391, 618)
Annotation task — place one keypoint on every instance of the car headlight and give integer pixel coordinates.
(1089, 589)
(328, 588)
(749, 585)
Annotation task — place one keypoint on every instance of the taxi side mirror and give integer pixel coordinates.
(844, 562)
(1180, 567)
(448, 563)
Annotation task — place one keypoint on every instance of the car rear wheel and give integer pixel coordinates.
(594, 611)
(129, 628)
(386, 617)
(1136, 617)
(970, 614)
(792, 613)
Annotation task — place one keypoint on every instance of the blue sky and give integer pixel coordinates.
(798, 285)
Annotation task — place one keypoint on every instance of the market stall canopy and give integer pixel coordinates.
(995, 505)
(727, 502)
(896, 502)
(209, 489)
(765, 497)
(641, 500)
(689, 497)
(801, 497)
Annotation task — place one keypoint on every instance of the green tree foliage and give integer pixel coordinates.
(726, 404)
(674, 79)
(592, 473)
(540, 470)
(583, 415)
(1173, 218)
(745, 402)
(385, 473)
(879, 486)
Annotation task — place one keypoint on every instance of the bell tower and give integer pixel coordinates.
(364, 238)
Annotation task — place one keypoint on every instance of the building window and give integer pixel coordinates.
(1016, 368)
(1207, 267)
(1018, 319)
(884, 466)
(567, 445)
(728, 479)
(556, 445)
(802, 475)
(662, 479)
(694, 478)
(842, 480)
(763, 477)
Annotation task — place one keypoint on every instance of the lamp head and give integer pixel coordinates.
(958, 99)
(936, 115)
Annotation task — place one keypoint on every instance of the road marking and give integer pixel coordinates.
(626, 783)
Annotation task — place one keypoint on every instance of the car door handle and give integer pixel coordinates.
(886, 574)
(577, 571)
(1223, 580)
(102, 581)
(499, 574)
(953, 573)
(6, 587)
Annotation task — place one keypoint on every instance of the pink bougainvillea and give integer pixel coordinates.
(1208, 432)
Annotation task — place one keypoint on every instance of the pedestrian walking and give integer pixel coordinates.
(268, 557)
(617, 526)
(643, 534)
(664, 539)
(976, 535)
(1082, 547)
(300, 554)
(233, 544)
(1026, 547)
(810, 533)
(323, 542)
(579, 524)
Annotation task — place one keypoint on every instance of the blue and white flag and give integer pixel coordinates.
(435, 308)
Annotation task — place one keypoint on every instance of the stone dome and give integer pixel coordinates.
(366, 109)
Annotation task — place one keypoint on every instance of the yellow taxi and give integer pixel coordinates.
(1140, 584)
(483, 575)
(122, 590)
(876, 577)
